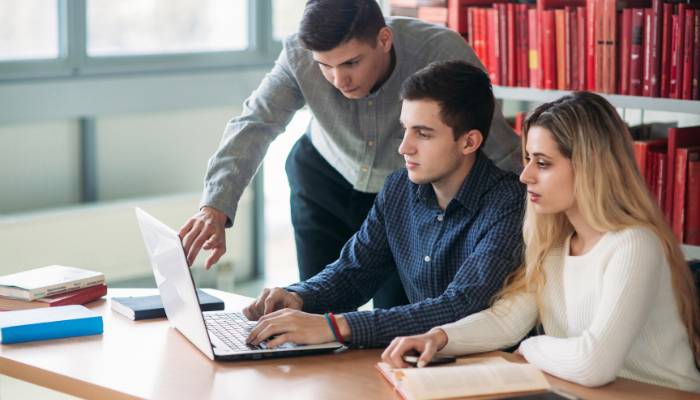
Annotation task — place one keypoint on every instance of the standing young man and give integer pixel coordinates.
(449, 225)
(346, 64)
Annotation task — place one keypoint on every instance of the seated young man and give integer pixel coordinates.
(450, 224)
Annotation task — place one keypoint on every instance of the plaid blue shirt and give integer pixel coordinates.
(450, 262)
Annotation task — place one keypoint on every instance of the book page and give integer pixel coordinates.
(469, 380)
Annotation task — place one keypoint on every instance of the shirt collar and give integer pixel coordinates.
(473, 187)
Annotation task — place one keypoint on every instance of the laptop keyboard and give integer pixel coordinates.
(231, 328)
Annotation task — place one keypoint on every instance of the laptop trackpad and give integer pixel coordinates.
(287, 345)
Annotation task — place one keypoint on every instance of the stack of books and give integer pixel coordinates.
(50, 286)
(671, 167)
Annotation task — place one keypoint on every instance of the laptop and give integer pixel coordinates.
(219, 335)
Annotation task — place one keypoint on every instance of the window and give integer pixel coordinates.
(28, 29)
(286, 15)
(132, 27)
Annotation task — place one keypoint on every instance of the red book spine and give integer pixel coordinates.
(677, 47)
(503, 40)
(661, 179)
(512, 59)
(692, 223)
(560, 56)
(591, 44)
(574, 63)
(677, 138)
(688, 54)
(471, 34)
(610, 45)
(625, 49)
(478, 35)
(696, 58)
(549, 42)
(679, 182)
(494, 54)
(457, 16)
(484, 35)
(581, 46)
(646, 63)
(636, 49)
(522, 29)
(80, 296)
(534, 58)
(666, 35)
(655, 74)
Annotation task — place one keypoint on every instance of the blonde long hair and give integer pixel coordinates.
(610, 193)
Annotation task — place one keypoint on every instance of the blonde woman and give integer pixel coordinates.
(603, 273)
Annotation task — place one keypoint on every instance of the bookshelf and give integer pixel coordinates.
(637, 102)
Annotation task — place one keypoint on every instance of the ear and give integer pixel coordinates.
(471, 141)
(385, 39)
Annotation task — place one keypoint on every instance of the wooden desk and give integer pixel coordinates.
(148, 359)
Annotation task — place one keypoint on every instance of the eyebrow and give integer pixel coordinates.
(542, 155)
(356, 58)
(420, 127)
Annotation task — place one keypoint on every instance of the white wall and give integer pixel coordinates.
(39, 166)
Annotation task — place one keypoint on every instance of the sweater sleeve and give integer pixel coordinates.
(629, 287)
(500, 326)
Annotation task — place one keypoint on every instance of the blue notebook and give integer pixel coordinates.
(48, 323)
(147, 307)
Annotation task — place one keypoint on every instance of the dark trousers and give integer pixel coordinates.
(326, 212)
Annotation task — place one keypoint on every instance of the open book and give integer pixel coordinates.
(469, 377)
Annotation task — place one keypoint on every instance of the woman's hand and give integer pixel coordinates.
(426, 344)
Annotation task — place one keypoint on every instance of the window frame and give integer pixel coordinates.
(73, 60)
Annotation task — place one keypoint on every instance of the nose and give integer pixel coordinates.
(406, 147)
(341, 79)
(527, 176)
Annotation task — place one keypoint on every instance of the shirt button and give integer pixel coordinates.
(369, 103)
(365, 169)
(427, 258)
(440, 217)
(370, 143)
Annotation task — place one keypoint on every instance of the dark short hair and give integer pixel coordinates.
(326, 24)
(462, 90)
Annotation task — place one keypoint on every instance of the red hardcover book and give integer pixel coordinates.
(549, 49)
(591, 39)
(625, 50)
(696, 58)
(646, 60)
(686, 92)
(666, 34)
(457, 16)
(494, 46)
(692, 221)
(512, 45)
(574, 64)
(642, 148)
(534, 58)
(636, 52)
(677, 46)
(471, 27)
(478, 34)
(561, 59)
(678, 137)
(609, 39)
(655, 49)
(660, 181)
(680, 183)
(503, 41)
(581, 47)
(522, 40)
(80, 296)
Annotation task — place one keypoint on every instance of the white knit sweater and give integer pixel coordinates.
(610, 312)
